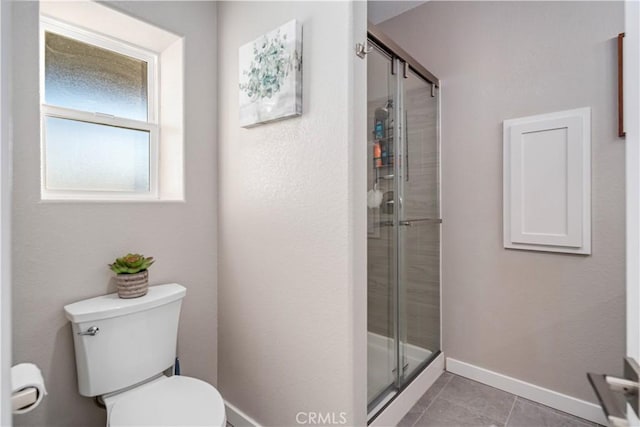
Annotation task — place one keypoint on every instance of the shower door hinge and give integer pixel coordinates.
(362, 50)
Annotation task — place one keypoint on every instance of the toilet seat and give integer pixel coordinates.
(173, 401)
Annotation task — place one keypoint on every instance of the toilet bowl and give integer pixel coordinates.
(167, 401)
(124, 346)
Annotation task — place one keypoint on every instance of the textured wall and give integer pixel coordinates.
(60, 250)
(539, 317)
(5, 206)
(287, 266)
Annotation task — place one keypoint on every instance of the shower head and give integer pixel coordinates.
(382, 113)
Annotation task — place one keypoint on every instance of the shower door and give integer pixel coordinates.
(418, 225)
(381, 249)
(403, 224)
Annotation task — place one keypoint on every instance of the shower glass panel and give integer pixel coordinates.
(403, 225)
(382, 264)
(419, 226)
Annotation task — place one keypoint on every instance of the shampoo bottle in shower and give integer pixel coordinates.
(377, 154)
(379, 129)
(385, 154)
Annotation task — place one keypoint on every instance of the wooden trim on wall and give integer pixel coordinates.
(621, 132)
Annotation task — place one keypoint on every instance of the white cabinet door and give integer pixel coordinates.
(547, 182)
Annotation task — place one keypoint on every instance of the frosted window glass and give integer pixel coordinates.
(92, 157)
(86, 77)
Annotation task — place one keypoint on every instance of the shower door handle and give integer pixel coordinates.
(390, 223)
(410, 222)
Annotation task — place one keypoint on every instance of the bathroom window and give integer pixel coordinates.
(103, 134)
(99, 119)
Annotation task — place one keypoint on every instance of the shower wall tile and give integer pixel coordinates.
(421, 189)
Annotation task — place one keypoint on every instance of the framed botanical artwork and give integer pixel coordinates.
(271, 76)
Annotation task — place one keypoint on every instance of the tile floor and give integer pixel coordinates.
(454, 401)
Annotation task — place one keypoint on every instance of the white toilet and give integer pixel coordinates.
(123, 346)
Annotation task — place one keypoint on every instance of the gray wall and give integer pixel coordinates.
(5, 209)
(61, 249)
(539, 317)
(291, 272)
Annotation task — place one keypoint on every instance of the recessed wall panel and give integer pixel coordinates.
(547, 185)
(547, 182)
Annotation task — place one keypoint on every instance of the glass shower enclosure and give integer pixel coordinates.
(404, 220)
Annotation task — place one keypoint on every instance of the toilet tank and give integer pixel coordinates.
(136, 338)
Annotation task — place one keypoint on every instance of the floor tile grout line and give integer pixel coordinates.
(434, 398)
(482, 385)
(513, 405)
(454, 402)
(558, 412)
(542, 407)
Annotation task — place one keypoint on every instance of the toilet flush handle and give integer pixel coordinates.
(91, 331)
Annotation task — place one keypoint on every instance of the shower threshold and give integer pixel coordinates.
(391, 405)
(378, 378)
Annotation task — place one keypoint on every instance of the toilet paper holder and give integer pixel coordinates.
(27, 388)
(24, 398)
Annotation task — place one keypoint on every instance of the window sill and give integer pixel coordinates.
(113, 200)
(107, 197)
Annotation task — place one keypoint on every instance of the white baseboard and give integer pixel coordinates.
(562, 402)
(399, 407)
(237, 418)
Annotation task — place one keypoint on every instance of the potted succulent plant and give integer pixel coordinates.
(132, 275)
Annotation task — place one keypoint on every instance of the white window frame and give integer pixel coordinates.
(152, 126)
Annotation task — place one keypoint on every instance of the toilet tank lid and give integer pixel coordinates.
(107, 306)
